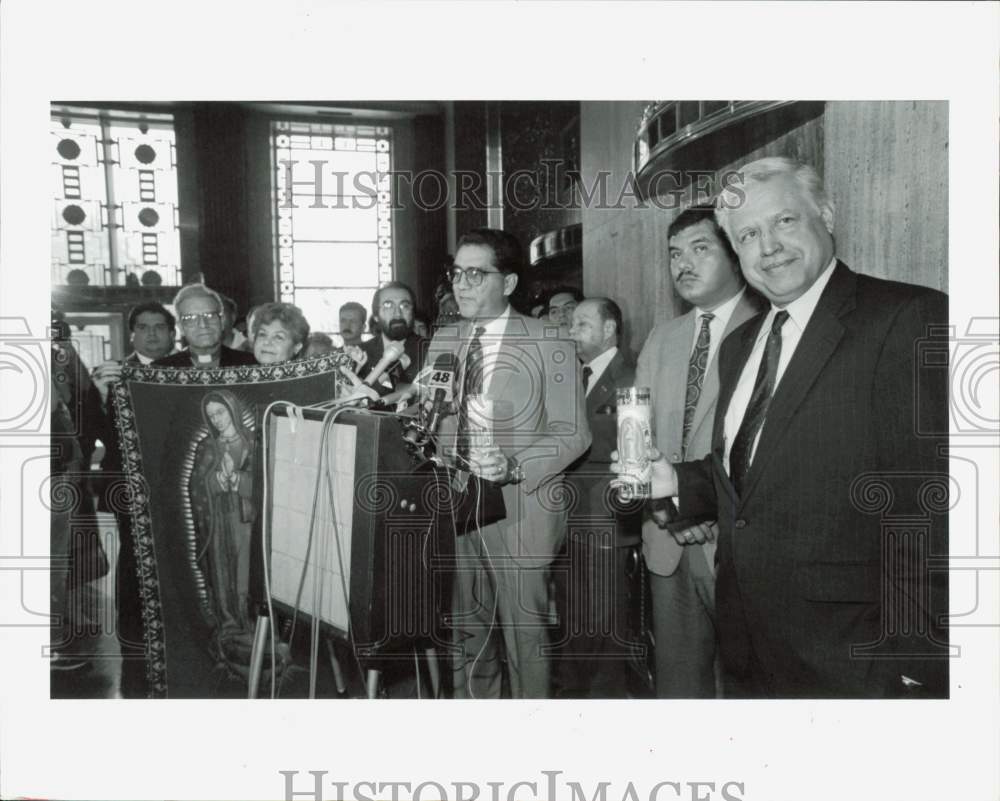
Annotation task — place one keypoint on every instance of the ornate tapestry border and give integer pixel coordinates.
(152, 613)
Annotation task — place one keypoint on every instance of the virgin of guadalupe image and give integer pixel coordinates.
(221, 490)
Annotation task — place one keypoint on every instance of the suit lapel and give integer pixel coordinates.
(744, 310)
(729, 376)
(819, 340)
(604, 391)
(673, 370)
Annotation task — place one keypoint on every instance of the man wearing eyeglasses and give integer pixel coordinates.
(200, 311)
(393, 307)
(501, 598)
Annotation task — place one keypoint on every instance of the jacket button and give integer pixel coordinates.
(740, 523)
(675, 457)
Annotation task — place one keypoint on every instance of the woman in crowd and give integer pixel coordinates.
(280, 331)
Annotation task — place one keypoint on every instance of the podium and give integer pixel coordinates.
(357, 536)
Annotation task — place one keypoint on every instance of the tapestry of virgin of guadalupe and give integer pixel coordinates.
(190, 447)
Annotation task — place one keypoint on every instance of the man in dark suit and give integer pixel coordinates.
(680, 366)
(393, 307)
(200, 311)
(525, 370)
(153, 333)
(824, 424)
(602, 539)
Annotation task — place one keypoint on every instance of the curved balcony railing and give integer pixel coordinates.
(553, 244)
(670, 130)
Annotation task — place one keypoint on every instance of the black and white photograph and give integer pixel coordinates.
(623, 446)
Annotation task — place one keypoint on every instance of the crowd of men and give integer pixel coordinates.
(790, 379)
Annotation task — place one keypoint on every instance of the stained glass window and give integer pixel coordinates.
(333, 216)
(114, 218)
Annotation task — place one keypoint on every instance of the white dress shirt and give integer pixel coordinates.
(799, 311)
(717, 325)
(490, 341)
(598, 365)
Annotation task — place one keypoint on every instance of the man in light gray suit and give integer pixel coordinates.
(678, 363)
(501, 598)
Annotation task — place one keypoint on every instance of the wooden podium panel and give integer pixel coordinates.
(361, 548)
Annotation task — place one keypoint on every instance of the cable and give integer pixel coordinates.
(496, 590)
(343, 580)
(266, 537)
(294, 413)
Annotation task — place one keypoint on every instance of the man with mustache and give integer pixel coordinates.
(352, 323)
(393, 307)
(679, 364)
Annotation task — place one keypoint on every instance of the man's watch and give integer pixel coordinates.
(515, 473)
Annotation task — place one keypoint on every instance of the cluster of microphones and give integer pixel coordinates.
(433, 391)
(436, 388)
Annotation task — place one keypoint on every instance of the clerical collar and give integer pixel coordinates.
(205, 359)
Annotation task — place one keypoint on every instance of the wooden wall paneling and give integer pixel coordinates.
(624, 249)
(887, 172)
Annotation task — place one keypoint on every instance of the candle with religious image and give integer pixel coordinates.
(635, 438)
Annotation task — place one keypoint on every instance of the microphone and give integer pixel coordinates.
(442, 389)
(392, 353)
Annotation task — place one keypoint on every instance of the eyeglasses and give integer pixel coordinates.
(473, 275)
(403, 306)
(208, 318)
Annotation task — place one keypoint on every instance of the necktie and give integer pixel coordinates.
(696, 375)
(587, 373)
(760, 400)
(472, 384)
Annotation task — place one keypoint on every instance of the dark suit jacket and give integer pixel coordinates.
(227, 358)
(413, 346)
(811, 582)
(590, 475)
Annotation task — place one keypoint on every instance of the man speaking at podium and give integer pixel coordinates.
(530, 377)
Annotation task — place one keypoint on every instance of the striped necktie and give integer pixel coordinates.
(472, 384)
(696, 375)
(760, 401)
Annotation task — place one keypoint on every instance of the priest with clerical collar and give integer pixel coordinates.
(200, 314)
